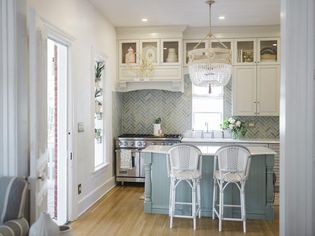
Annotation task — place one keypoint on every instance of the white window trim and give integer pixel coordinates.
(207, 96)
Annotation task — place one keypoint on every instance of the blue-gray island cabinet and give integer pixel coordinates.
(259, 186)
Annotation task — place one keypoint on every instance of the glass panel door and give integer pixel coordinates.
(57, 76)
(190, 46)
(245, 50)
(170, 52)
(149, 52)
(128, 52)
(268, 50)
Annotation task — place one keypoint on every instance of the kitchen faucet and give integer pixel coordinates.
(207, 125)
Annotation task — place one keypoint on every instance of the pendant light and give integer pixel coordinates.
(210, 66)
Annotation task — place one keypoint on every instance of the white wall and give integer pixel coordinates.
(90, 31)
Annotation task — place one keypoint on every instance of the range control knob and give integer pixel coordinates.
(122, 144)
(139, 144)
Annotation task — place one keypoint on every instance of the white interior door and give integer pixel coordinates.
(38, 116)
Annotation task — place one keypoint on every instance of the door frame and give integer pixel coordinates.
(64, 38)
(297, 153)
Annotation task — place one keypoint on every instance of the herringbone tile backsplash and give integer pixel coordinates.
(135, 112)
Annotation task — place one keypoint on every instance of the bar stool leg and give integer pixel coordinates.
(214, 197)
(220, 207)
(173, 200)
(243, 206)
(222, 202)
(193, 202)
(198, 198)
(170, 201)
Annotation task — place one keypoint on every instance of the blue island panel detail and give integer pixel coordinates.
(259, 188)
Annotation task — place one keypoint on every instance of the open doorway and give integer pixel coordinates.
(57, 77)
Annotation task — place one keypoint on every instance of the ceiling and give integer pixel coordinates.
(124, 13)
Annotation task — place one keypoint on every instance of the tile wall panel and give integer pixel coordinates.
(140, 109)
(134, 112)
(117, 113)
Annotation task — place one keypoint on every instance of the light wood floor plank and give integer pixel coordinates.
(120, 213)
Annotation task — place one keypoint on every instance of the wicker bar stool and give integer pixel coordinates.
(184, 164)
(231, 166)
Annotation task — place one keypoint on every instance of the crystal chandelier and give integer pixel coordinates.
(210, 66)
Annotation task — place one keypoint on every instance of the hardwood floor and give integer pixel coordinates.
(120, 212)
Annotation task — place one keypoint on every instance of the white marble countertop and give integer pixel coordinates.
(209, 150)
(229, 140)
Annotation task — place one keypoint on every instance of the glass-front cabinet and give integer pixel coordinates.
(149, 51)
(245, 51)
(190, 45)
(128, 51)
(261, 50)
(268, 51)
(151, 63)
(171, 51)
(221, 44)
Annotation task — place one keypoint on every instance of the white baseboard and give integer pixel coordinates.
(85, 203)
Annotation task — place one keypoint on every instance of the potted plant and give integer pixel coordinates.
(98, 135)
(157, 127)
(99, 67)
(236, 126)
(98, 109)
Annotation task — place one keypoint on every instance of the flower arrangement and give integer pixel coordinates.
(237, 126)
(145, 68)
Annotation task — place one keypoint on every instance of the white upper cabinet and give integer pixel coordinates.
(150, 64)
(261, 50)
(268, 87)
(256, 77)
(244, 90)
(157, 58)
(150, 58)
(256, 90)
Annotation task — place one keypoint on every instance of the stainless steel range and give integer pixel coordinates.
(129, 159)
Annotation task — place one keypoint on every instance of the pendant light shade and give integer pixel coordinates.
(210, 66)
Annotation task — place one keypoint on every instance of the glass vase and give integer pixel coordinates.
(236, 135)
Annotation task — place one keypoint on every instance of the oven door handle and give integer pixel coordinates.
(133, 161)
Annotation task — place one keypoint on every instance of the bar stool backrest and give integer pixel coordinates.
(184, 157)
(233, 158)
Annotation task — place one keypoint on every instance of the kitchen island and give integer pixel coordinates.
(259, 186)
